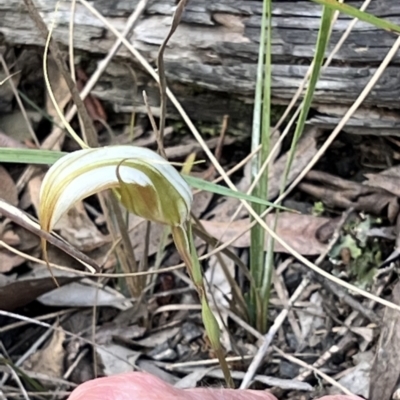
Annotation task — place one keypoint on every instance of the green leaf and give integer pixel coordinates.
(361, 15)
(29, 156)
(218, 189)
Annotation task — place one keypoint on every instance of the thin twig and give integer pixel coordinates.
(22, 219)
(20, 103)
(337, 291)
(41, 318)
(72, 59)
(35, 346)
(257, 218)
(315, 370)
(251, 371)
(347, 338)
(19, 383)
(62, 66)
(366, 91)
(161, 67)
(90, 84)
(218, 150)
(34, 321)
(157, 134)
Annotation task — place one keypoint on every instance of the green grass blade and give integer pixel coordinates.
(29, 156)
(361, 15)
(256, 126)
(257, 253)
(224, 191)
(322, 42)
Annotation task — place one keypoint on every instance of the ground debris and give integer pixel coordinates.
(385, 371)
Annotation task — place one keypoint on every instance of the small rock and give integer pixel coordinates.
(190, 332)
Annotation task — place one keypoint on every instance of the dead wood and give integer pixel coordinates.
(210, 62)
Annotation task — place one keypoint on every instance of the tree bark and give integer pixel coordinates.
(211, 59)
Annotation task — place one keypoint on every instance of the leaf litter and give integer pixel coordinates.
(146, 334)
(309, 234)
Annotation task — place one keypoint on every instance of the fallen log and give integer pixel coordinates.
(211, 59)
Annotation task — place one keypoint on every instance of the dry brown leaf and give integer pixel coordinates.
(80, 231)
(49, 360)
(385, 371)
(8, 189)
(77, 294)
(9, 260)
(29, 242)
(60, 91)
(356, 380)
(15, 129)
(73, 293)
(366, 333)
(92, 103)
(6, 91)
(201, 201)
(107, 332)
(388, 180)
(182, 150)
(7, 141)
(337, 192)
(310, 321)
(11, 238)
(137, 236)
(299, 231)
(305, 151)
(22, 292)
(22, 240)
(158, 338)
(115, 359)
(75, 226)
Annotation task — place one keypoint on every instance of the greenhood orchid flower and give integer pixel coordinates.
(146, 184)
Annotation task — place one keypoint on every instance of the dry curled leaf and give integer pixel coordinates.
(388, 180)
(60, 90)
(9, 260)
(305, 151)
(28, 287)
(336, 192)
(92, 103)
(14, 126)
(49, 360)
(9, 142)
(299, 231)
(8, 189)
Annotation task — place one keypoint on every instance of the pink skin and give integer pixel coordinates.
(142, 386)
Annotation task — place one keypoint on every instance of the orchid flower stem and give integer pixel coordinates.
(184, 243)
(127, 256)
